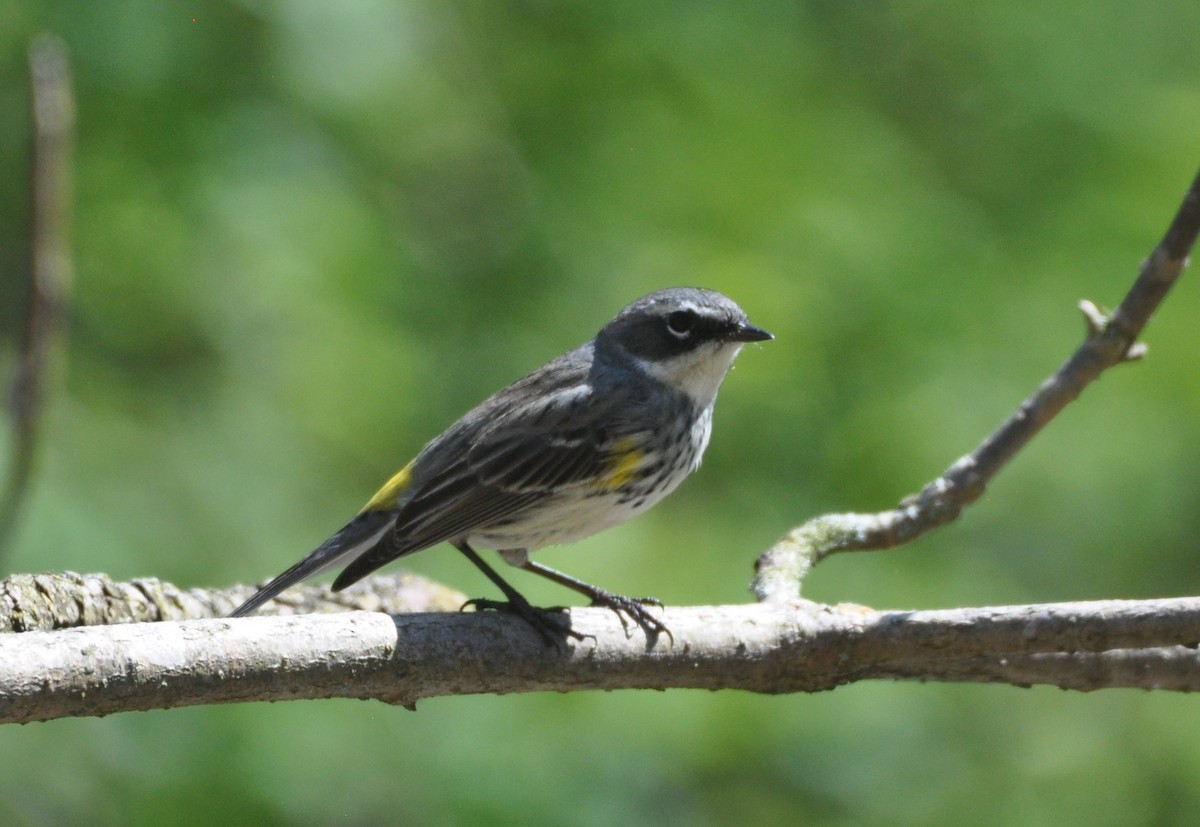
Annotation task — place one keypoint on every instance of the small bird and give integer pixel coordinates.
(583, 443)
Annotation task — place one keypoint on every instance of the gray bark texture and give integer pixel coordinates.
(769, 648)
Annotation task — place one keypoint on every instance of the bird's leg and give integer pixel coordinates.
(548, 623)
(634, 607)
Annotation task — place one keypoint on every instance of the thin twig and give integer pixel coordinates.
(1110, 340)
(53, 118)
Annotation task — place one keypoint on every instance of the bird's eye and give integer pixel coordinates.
(680, 323)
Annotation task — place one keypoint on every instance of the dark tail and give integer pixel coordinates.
(357, 536)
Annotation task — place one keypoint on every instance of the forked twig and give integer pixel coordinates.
(1110, 341)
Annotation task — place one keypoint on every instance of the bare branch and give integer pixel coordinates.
(50, 261)
(65, 600)
(767, 648)
(781, 569)
(1174, 668)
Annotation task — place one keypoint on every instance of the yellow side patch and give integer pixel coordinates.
(386, 497)
(623, 463)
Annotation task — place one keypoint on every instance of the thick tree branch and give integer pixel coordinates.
(65, 600)
(767, 648)
(1111, 340)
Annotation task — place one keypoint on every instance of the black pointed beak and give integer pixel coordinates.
(746, 332)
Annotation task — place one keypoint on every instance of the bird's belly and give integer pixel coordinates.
(566, 519)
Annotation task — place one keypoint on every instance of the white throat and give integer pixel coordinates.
(698, 373)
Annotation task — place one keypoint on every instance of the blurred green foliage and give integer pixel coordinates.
(309, 235)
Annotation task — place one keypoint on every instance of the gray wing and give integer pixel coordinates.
(512, 452)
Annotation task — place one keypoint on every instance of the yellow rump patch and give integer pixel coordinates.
(386, 497)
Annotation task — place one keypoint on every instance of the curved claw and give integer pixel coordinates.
(635, 609)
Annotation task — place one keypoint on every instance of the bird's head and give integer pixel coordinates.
(686, 337)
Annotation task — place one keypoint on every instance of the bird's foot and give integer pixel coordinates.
(635, 609)
(553, 625)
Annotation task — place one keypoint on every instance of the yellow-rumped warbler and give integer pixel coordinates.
(583, 443)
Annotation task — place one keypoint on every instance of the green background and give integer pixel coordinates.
(309, 235)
